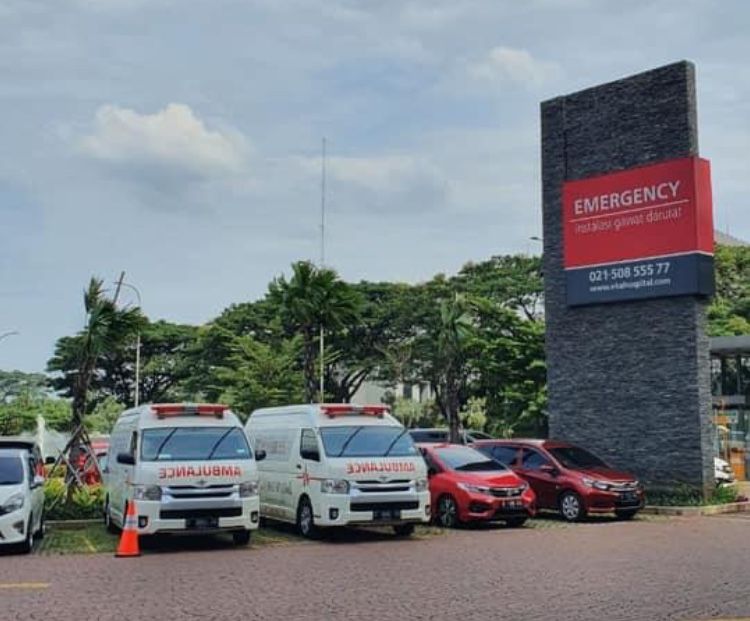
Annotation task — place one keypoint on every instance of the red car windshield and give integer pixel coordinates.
(465, 459)
(576, 458)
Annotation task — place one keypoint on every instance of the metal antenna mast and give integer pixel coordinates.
(322, 260)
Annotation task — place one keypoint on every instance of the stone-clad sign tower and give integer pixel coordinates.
(629, 377)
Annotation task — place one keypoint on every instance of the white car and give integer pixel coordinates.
(21, 493)
(723, 472)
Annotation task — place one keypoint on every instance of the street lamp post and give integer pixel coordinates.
(137, 390)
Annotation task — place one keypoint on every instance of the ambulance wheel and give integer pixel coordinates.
(404, 530)
(108, 523)
(306, 519)
(241, 537)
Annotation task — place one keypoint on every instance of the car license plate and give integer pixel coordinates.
(629, 497)
(386, 515)
(202, 522)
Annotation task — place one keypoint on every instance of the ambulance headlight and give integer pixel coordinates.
(421, 485)
(147, 492)
(334, 486)
(248, 488)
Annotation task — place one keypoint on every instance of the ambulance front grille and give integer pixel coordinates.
(193, 491)
(188, 514)
(404, 505)
(396, 485)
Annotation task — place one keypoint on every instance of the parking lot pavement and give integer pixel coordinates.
(681, 568)
(734, 516)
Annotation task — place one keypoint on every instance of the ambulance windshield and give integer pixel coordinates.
(367, 441)
(194, 444)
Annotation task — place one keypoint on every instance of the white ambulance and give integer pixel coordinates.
(339, 465)
(189, 468)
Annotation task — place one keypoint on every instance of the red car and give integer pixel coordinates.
(567, 478)
(466, 486)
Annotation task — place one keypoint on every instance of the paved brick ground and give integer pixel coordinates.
(681, 568)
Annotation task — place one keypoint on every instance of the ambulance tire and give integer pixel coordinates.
(306, 520)
(241, 537)
(404, 530)
(108, 522)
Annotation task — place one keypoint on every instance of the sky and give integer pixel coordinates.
(180, 140)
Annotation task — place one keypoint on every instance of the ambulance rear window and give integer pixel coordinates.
(194, 444)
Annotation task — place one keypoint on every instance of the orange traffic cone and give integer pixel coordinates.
(128, 545)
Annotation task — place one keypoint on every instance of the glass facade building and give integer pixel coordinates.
(730, 385)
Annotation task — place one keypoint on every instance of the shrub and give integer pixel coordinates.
(85, 502)
(687, 496)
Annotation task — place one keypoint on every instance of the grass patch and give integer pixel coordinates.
(88, 539)
(93, 538)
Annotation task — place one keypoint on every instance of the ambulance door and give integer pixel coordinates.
(308, 468)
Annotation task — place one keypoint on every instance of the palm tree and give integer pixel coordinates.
(107, 328)
(455, 329)
(313, 298)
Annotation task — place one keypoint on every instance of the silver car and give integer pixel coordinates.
(21, 493)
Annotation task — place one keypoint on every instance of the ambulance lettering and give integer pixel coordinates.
(208, 470)
(367, 467)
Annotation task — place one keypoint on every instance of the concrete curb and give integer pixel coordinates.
(71, 524)
(732, 507)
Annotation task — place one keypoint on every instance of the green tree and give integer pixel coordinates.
(357, 353)
(22, 413)
(313, 298)
(259, 375)
(513, 282)
(509, 369)
(164, 365)
(729, 312)
(104, 416)
(16, 383)
(442, 353)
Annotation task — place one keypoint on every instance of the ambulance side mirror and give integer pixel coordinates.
(431, 471)
(126, 458)
(260, 455)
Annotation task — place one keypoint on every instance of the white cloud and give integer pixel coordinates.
(173, 138)
(387, 184)
(506, 64)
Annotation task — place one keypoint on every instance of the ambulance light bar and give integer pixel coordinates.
(347, 409)
(165, 410)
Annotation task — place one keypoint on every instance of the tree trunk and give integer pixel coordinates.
(78, 408)
(311, 379)
(453, 405)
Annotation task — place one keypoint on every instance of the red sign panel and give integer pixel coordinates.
(647, 212)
